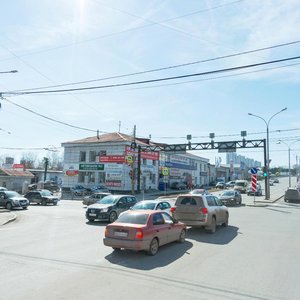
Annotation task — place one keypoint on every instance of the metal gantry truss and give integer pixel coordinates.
(224, 147)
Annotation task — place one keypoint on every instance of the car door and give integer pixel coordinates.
(36, 197)
(214, 208)
(2, 199)
(221, 209)
(160, 228)
(173, 229)
(121, 205)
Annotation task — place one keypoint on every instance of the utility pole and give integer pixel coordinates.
(46, 162)
(133, 162)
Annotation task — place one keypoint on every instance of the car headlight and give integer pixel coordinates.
(16, 202)
(104, 209)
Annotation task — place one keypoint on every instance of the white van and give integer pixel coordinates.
(241, 186)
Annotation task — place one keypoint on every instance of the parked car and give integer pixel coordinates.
(230, 184)
(199, 192)
(241, 186)
(79, 190)
(292, 195)
(42, 197)
(12, 199)
(220, 185)
(152, 205)
(178, 185)
(50, 185)
(109, 207)
(99, 189)
(276, 180)
(258, 191)
(231, 197)
(143, 230)
(200, 211)
(88, 200)
(271, 182)
(2, 189)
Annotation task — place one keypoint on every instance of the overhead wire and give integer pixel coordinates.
(165, 68)
(153, 80)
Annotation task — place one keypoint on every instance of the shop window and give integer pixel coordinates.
(91, 177)
(82, 156)
(101, 177)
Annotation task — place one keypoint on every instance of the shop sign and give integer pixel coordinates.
(112, 176)
(116, 183)
(72, 172)
(112, 158)
(18, 166)
(91, 167)
(152, 155)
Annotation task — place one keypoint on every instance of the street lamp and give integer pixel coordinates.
(289, 151)
(267, 186)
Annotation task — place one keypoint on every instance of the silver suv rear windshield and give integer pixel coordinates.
(189, 201)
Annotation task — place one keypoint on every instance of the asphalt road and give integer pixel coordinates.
(52, 253)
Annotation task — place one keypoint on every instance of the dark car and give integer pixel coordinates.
(99, 189)
(231, 197)
(50, 185)
(178, 186)
(12, 199)
(292, 195)
(79, 190)
(109, 207)
(42, 197)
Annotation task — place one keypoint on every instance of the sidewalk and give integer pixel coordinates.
(6, 216)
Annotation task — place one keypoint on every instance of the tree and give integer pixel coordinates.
(29, 160)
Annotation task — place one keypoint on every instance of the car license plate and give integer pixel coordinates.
(122, 234)
(92, 215)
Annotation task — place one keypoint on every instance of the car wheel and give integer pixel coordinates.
(44, 202)
(113, 217)
(213, 227)
(225, 224)
(182, 236)
(24, 207)
(116, 249)
(153, 248)
(54, 203)
(8, 206)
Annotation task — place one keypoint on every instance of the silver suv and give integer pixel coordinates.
(200, 211)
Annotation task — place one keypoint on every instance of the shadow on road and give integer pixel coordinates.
(96, 223)
(222, 236)
(166, 255)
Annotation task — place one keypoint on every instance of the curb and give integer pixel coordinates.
(264, 203)
(13, 218)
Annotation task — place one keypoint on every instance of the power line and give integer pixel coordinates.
(51, 119)
(165, 68)
(153, 80)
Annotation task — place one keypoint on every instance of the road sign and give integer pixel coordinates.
(253, 171)
(165, 171)
(129, 159)
(254, 181)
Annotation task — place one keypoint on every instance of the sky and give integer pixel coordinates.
(55, 43)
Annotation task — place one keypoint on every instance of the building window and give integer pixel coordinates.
(204, 168)
(82, 156)
(101, 177)
(152, 178)
(81, 176)
(144, 161)
(92, 157)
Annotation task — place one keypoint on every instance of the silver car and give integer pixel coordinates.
(200, 211)
(152, 205)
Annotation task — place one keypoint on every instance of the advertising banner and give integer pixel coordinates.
(112, 159)
(152, 155)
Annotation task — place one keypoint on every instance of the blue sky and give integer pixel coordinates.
(64, 41)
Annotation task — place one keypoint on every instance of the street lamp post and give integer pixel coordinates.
(289, 152)
(267, 162)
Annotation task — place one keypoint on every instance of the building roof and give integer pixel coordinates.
(15, 172)
(108, 138)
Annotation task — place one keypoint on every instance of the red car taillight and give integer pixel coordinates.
(204, 210)
(139, 234)
(172, 209)
(106, 232)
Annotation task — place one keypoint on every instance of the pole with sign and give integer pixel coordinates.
(254, 185)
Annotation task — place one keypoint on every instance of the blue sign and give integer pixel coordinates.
(253, 171)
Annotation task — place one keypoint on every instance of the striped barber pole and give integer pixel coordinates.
(254, 180)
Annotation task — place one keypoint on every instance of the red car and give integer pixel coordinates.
(143, 230)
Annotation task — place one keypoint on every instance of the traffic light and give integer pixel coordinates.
(265, 174)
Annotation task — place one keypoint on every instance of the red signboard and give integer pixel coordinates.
(72, 172)
(112, 159)
(152, 155)
(18, 166)
(113, 183)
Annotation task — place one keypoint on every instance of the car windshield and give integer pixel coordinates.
(144, 205)
(46, 193)
(239, 183)
(12, 194)
(228, 193)
(108, 200)
(133, 218)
